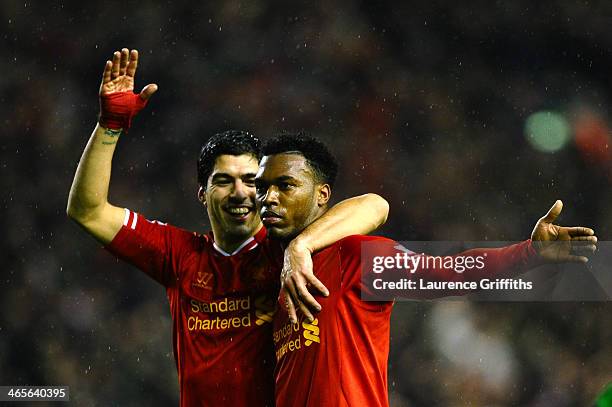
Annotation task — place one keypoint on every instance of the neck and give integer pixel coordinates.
(316, 215)
(230, 243)
(312, 218)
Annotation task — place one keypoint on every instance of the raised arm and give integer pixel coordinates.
(88, 200)
(358, 215)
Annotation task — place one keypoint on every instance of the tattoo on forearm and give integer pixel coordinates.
(114, 134)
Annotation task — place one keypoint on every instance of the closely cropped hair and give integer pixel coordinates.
(318, 156)
(232, 142)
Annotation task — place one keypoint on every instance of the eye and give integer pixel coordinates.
(249, 182)
(285, 186)
(260, 187)
(222, 181)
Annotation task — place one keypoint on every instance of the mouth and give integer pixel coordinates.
(269, 217)
(239, 213)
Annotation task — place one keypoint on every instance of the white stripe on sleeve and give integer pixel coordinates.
(127, 217)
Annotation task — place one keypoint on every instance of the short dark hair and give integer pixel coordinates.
(317, 155)
(232, 142)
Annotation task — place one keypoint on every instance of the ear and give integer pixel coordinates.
(202, 195)
(323, 194)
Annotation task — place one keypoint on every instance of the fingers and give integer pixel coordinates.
(297, 277)
(106, 75)
(584, 249)
(123, 61)
(295, 287)
(302, 297)
(570, 258)
(306, 298)
(584, 244)
(116, 62)
(584, 239)
(553, 212)
(307, 314)
(291, 298)
(133, 64)
(318, 285)
(290, 308)
(577, 231)
(148, 91)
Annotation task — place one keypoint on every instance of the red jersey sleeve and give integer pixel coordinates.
(351, 259)
(154, 247)
(500, 262)
(354, 273)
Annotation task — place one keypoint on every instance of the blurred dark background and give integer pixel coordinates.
(470, 119)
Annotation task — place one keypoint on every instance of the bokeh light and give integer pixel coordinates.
(592, 137)
(547, 131)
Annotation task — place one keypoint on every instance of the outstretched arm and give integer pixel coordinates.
(358, 215)
(549, 243)
(88, 200)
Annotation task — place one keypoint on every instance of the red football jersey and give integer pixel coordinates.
(222, 306)
(340, 359)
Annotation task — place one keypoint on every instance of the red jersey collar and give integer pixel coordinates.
(248, 245)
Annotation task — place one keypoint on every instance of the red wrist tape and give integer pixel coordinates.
(117, 109)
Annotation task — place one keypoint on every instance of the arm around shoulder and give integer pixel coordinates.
(361, 214)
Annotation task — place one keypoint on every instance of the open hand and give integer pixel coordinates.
(119, 75)
(559, 243)
(297, 276)
(118, 102)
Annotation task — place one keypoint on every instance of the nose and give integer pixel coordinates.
(240, 192)
(270, 198)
